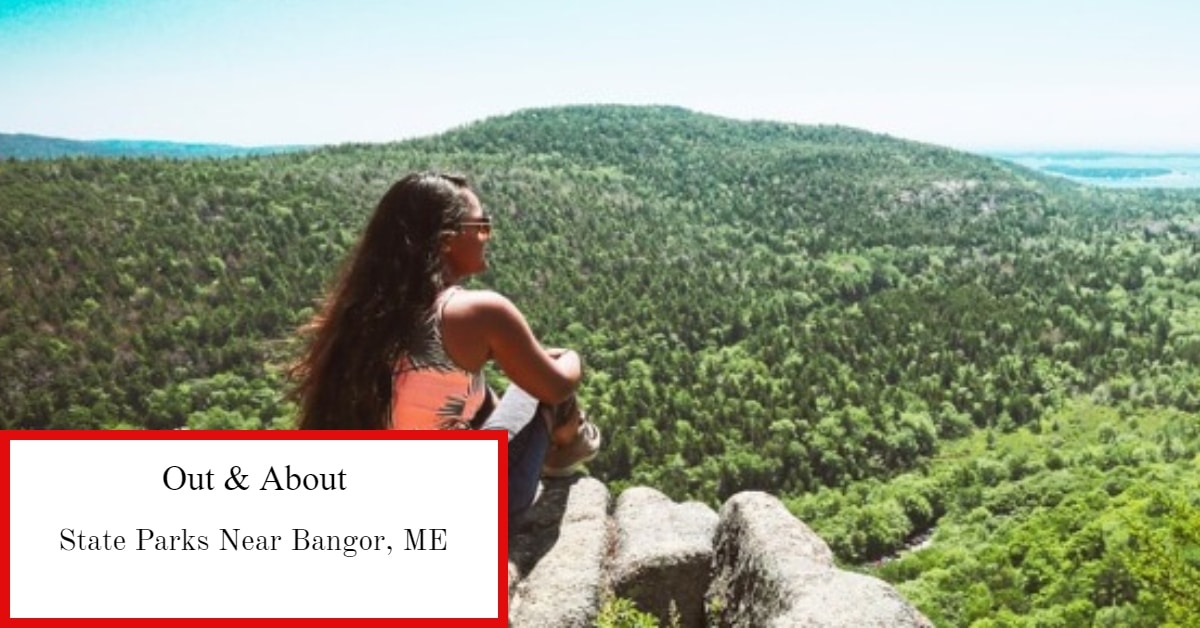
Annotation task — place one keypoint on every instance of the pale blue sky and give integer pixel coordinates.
(978, 75)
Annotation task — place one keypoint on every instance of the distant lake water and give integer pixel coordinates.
(1118, 170)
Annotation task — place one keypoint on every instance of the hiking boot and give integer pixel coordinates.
(564, 460)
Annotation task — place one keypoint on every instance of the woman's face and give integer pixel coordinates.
(463, 252)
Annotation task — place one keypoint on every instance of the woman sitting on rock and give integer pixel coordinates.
(399, 344)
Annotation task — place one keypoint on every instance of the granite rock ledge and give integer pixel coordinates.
(751, 564)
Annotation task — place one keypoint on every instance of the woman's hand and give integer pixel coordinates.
(569, 360)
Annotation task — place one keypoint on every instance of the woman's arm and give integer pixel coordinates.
(493, 321)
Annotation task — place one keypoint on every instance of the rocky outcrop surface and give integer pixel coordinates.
(754, 564)
(557, 552)
(769, 569)
(663, 553)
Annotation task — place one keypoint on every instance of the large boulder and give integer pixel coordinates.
(769, 569)
(663, 554)
(557, 551)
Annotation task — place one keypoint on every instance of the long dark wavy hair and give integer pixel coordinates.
(373, 313)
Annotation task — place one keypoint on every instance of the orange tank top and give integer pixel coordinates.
(430, 391)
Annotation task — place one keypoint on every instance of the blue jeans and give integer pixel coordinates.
(528, 442)
(526, 452)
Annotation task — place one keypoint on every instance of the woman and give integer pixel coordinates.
(398, 344)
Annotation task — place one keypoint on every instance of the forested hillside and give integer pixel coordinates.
(893, 336)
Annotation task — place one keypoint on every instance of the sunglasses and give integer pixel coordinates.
(484, 225)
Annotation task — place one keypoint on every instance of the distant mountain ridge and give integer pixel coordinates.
(1115, 169)
(1089, 154)
(28, 146)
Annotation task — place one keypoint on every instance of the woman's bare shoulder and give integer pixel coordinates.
(483, 304)
(481, 298)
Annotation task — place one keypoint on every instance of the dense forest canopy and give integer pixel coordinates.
(861, 324)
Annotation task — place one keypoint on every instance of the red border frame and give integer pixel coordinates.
(502, 518)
